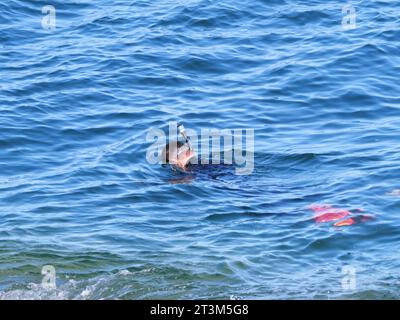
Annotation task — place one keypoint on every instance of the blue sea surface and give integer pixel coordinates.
(76, 189)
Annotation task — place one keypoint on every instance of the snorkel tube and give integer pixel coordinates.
(182, 131)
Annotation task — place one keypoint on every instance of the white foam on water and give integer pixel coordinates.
(105, 286)
(70, 290)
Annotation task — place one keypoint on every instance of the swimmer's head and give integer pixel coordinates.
(178, 154)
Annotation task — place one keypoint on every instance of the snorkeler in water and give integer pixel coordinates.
(178, 153)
